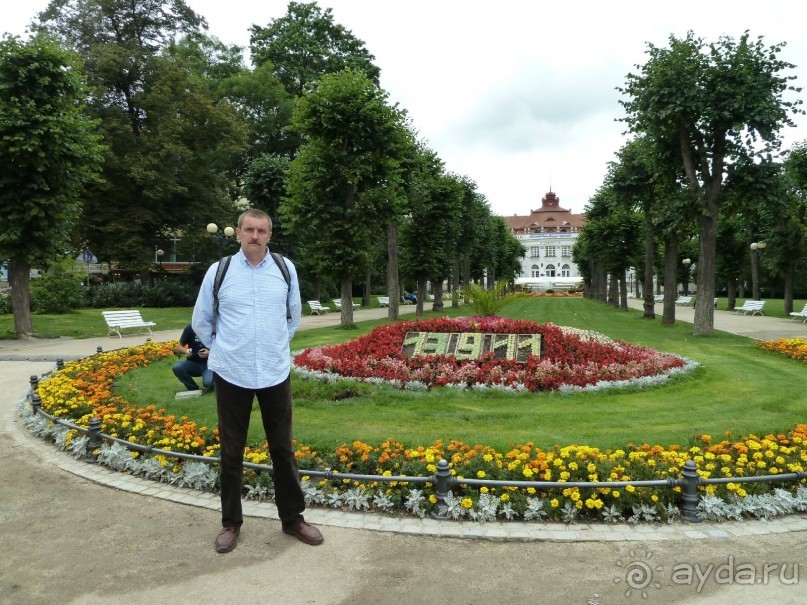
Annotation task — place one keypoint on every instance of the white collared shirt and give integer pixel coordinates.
(251, 348)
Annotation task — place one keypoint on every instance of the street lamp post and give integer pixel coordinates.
(220, 237)
(686, 262)
(159, 254)
(756, 252)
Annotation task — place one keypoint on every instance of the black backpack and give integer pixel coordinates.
(224, 264)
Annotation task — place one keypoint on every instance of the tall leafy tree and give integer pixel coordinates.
(305, 44)
(354, 143)
(430, 234)
(172, 149)
(48, 151)
(720, 101)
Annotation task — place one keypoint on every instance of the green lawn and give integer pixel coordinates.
(740, 389)
(87, 323)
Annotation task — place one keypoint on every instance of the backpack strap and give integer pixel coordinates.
(224, 264)
(221, 271)
(281, 264)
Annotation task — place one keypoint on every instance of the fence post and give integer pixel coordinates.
(90, 454)
(34, 381)
(690, 497)
(36, 403)
(442, 479)
(99, 349)
(59, 363)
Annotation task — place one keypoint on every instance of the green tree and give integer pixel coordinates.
(305, 44)
(429, 235)
(720, 101)
(173, 151)
(48, 152)
(354, 144)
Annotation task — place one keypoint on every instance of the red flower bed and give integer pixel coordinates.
(570, 358)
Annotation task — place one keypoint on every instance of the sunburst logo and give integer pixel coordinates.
(638, 574)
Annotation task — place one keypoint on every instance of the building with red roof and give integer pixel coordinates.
(548, 234)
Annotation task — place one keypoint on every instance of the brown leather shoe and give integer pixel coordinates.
(304, 532)
(227, 539)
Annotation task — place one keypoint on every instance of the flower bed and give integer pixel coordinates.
(571, 359)
(795, 348)
(83, 389)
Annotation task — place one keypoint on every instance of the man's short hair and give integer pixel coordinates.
(254, 213)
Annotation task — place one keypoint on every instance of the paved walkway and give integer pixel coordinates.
(476, 574)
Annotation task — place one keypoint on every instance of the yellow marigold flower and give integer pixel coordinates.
(433, 499)
(487, 458)
(480, 474)
(484, 490)
(431, 468)
(467, 503)
(575, 496)
(630, 489)
(573, 466)
(554, 503)
(579, 504)
(531, 490)
(505, 497)
(527, 472)
(654, 498)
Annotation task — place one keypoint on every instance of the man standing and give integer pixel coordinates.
(250, 356)
(195, 364)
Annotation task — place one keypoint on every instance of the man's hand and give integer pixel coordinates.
(203, 353)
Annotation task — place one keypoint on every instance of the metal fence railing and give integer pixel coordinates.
(442, 479)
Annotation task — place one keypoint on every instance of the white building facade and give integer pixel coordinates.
(548, 235)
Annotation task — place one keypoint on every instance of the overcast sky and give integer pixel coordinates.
(518, 96)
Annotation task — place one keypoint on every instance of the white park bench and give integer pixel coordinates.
(658, 298)
(754, 307)
(383, 301)
(121, 320)
(802, 314)
(684, 301)
(317, 307)
(338, 303)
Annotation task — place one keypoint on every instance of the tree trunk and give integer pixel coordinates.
(393, 291)
(346, 291)
(19, 278)
(623, 290)
(649, 304)
(731, 293)
(318, 288)
(455, 284)
(670, 279)
(613, 290)
(365, 301)
(790, 277)
(421, 296)
(438, 296)
(707, 252)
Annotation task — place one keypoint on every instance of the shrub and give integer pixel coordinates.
(125, 294)
(58, 291)
(164, 293)
(487, 303)
(5, 304)
(169, 293)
